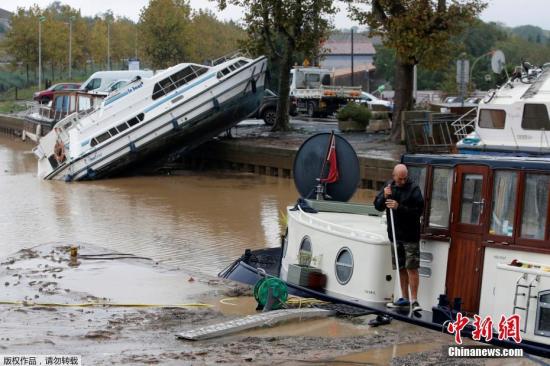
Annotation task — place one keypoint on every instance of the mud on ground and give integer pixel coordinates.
(134, 335)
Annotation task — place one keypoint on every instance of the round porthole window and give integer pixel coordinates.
(344, 266)
(304, 255)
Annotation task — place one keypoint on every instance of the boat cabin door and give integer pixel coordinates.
(470, 204)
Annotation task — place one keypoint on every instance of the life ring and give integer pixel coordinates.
(59, 151)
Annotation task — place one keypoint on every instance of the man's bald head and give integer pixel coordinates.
(400, 174)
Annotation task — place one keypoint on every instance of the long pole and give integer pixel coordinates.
(397, 275)
(108, 46)
(352, 57)
(70, 48)
(39, 53)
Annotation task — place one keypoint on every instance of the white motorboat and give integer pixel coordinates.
(165, 115)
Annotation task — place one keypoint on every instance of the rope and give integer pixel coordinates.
(109, 304)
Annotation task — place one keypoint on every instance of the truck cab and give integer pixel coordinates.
(312, 92)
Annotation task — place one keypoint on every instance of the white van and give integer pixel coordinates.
(99, 81)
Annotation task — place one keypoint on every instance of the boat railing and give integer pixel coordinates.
(465, 124)
(224, 58)
(432, 133)
(337, 229)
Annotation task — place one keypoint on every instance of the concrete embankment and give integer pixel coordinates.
(256, 149)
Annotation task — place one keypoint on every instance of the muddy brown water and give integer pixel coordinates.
(200, 221)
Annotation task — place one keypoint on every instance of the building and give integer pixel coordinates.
(338, 58)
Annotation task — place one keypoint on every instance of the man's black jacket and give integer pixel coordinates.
(407, 215)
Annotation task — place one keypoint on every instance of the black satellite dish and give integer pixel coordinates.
(308, 164)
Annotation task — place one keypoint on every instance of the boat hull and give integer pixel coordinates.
(242, 270)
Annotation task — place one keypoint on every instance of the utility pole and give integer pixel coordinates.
(108, 45)
(40, 20)
(71, 18)
(352, 57)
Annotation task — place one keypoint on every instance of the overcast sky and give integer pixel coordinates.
(509, 12)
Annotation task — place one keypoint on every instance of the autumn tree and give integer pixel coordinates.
(21, 41)
(280, 29)
(420, 32)
(212, 38)
(164, 32)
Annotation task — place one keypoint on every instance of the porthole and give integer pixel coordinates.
(344, 266)
(304, 254)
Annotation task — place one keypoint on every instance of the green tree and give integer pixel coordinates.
(281, 28)
(212, 38)
(164, 32)
(21, 41)
(420, 32)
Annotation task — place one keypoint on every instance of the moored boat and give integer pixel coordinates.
(162, 116)
(484, 250)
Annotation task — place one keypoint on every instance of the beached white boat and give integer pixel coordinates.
(170, 113)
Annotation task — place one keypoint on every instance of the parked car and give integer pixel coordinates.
(370, 100)
(268, 109)
(45, 96)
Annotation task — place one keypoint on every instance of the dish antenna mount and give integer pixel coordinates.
(498, 61)
(308, 165)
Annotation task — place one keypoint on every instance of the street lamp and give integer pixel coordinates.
(108, 45)
(71, 19)
(40, 20)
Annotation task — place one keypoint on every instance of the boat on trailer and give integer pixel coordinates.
(159, 117)
(484, 249)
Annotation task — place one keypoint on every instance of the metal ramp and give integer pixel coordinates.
(528, 297)
(252, 321)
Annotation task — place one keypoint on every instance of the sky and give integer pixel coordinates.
(509, 12)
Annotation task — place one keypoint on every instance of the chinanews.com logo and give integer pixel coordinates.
(508, 328)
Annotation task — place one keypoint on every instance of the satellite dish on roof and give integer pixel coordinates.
(498, 61)
(308, 164)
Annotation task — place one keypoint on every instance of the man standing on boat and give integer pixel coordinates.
(404, 197)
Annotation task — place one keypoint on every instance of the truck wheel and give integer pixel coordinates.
(311, 109)
(269, 116)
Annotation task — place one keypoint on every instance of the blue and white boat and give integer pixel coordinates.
(170, 113)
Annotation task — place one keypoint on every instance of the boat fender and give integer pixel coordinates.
(216, 104)
(253, 85)
(59, 151)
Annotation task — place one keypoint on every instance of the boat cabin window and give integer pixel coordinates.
(535, 117)
(471, 203)
(440, 202)
(344, 266)
(231, 68)
(177, 79)
(84, 103)
(535, 206)
(418, 175)
(503, 203)
(543, 314)
(492, 118)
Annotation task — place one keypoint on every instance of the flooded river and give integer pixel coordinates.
(200, 221)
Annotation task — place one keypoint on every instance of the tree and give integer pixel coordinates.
(281, 28)
(164, 32)
(21, 41)
(212, 38)
(420, 32)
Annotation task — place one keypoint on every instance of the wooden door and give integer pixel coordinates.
(468, 216)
